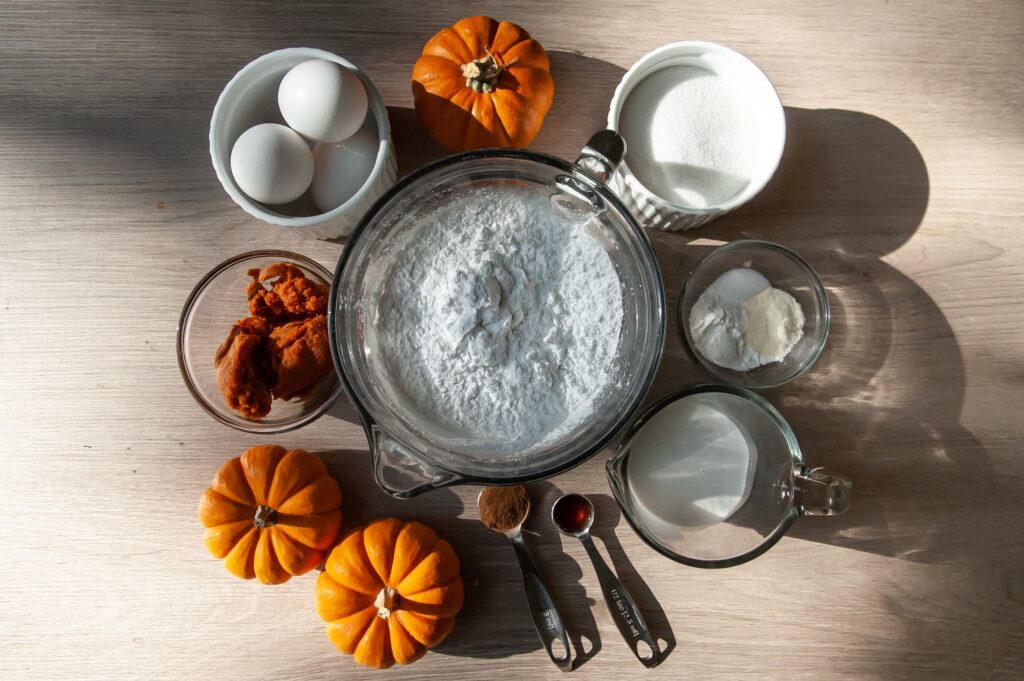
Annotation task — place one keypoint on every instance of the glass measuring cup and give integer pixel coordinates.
(725, 503)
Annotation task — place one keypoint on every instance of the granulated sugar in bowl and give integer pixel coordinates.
(705, 131)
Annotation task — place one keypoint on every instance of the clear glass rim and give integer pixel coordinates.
(659, 330)
(615, 467)
(820, 296)
(186, 375)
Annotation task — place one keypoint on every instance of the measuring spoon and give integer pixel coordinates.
(573, 515)
(546, 619)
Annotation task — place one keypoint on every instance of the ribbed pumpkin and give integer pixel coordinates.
(271, 513)
(482, 83)
(390, 591)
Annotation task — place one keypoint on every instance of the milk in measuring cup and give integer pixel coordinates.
(692, 465)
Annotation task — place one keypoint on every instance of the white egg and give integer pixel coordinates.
(342, 168)
(271, 163)
(323, 100)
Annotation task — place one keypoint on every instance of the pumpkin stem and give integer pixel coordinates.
(386, 601)
(265, 516)
(482, 74)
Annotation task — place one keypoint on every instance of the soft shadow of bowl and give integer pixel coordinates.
(850, 187)
(847, 181)
(583, 90)
(413, 144)
(343, 410)
(894, 387)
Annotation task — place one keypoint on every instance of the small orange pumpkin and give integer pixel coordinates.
(271, 513)
(482, 83)
(389, 592)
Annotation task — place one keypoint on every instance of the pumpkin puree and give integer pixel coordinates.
(281, 351)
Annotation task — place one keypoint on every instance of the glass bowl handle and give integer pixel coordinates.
(400, 472)
(602, 154)
(822, 492)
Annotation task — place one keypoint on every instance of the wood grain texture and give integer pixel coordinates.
(901, 184)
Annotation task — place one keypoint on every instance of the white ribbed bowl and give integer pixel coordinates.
(654, 211)
(250, 98)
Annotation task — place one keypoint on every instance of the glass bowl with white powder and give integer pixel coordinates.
(754, 314)
(496, 318)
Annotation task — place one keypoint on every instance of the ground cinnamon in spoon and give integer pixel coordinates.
(503, 508)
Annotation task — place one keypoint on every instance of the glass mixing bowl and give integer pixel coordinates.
(412, 453)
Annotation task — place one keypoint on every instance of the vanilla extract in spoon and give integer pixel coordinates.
(573, 515)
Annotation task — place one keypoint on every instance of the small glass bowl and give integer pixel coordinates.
(785, 270)
(217, 301)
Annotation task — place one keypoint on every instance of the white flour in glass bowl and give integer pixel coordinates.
(499, 320)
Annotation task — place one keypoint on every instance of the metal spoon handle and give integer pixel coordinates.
(545, 616)
(622, 607)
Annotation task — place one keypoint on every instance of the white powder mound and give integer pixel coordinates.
(774, 324)
(741, 323)
(500, 321)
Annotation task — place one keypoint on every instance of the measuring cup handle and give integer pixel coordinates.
(400, 472)
(622, 607)
(546, 619)
(822, 492)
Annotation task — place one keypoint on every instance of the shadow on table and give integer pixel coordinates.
(926, 490)
(847, 181)
(894, 377)
(413, 144)
(883, 404)
(852, 187)
(344, 410)
(583, 90)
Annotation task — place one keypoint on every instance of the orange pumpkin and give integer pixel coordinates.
(390, 591)
(271, 513)
(482, 83)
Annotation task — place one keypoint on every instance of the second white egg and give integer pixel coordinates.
(322, 100)
(342, 168)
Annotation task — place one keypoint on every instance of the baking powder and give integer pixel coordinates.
(741, 322)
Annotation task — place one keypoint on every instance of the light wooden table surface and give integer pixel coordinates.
(901, 183)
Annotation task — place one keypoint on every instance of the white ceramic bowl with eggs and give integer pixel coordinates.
(251, 98)
(663, 210)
